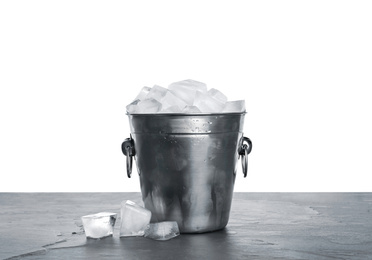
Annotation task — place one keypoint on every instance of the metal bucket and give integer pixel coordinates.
(187, 166)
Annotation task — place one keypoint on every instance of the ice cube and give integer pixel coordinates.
(99, 225)
(207, 104)
(187, 89)
(171, 109)
(157, 93)
(191, 84)
(131, 108)
(162, 230)
(170, 99)
(134, 219)
(143, 93)
(218, 95)
(234, 106)
(148, 106)
(191, 109)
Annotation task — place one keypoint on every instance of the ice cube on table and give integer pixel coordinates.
(162, 230)
(187, 89)
(143, 93)
(147, 106)
(134, 219)
(99, 225)
(218, 95)
(207, 104)
(191, 109)
(234, 106)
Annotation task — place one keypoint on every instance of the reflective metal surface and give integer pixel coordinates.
(187, 166)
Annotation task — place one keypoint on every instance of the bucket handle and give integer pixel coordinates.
(243, 151)
(127, 147)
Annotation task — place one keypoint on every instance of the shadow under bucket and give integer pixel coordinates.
(187, 166)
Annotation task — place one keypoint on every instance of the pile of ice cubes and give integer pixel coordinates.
(187, 96)
(134, 221)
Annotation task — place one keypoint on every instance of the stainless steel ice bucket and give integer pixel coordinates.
(187, 165)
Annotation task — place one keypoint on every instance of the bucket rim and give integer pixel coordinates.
(185, 114)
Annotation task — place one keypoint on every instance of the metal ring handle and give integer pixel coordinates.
(245, 160)
(129, 162)
(244, 150)
(127, 147)
(246, 139)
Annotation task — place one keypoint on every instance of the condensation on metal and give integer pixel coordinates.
(187, 165)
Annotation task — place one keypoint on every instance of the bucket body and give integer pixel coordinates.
(187, 166)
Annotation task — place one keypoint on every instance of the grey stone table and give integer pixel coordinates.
(261, 226)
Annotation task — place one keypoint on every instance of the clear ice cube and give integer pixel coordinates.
(143, 93)
(218, 95)
(99, 225)
(170, 100)
(131, 108)
(234, 106)
(171, 109)
(157, 93)
(191, 84)
(162, 230)
(207, 104)
(134, 219)
(191, 109)
(148, 106)
(186, 89)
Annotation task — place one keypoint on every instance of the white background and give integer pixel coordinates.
(68, 69)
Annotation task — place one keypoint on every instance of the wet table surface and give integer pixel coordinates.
(261, 226)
